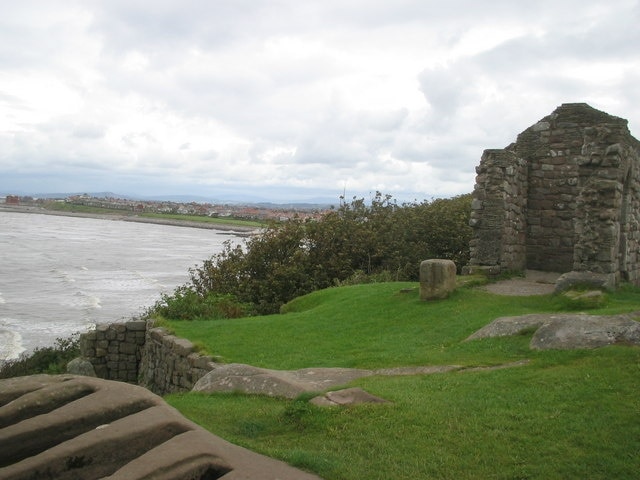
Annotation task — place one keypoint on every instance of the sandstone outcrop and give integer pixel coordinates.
(68, 427)
(237, 377)
(567, 331)
(572, 280)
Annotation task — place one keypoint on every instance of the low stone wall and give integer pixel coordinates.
(171, 364)
(114, 350)
(135, 352)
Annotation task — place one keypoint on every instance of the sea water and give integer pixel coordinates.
(60, 275)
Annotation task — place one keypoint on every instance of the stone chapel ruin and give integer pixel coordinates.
(565, 197)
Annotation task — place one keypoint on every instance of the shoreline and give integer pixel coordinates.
(238, 230)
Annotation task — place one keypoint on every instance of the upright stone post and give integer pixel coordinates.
(437, 279)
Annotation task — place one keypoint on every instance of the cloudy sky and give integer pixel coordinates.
(294, 99)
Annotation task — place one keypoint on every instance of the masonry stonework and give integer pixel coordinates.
(171, 364)
(135, 352)
(114, 349)
(564, 197)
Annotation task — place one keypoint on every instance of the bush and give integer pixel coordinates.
(51, 360)
(356, 243)
(186, 304)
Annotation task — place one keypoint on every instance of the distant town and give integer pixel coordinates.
(133, 206)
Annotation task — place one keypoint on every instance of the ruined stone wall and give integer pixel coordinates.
(608, 213)
(131, 352)
(114, 350)
(171, 364)
(498, 211)
(550, 148)
(576, 191)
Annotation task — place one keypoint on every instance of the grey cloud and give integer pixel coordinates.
(445, 89)
(11, 100)
(189, 23)
(384, 121)
(343, 137)
(273, 104)
(88, 131)
(136, 139)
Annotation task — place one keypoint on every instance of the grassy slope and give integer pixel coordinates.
(67, 207)
(566, 415)
(203, 219)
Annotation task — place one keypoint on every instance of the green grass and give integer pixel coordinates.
(203, 219)
(68, 207)
(568, 414)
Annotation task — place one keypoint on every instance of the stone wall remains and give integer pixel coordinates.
(499, 205)
(171, 364)
(564, 197)
(114, 350)
(135, 352)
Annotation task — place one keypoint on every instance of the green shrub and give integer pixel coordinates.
(51, 360)
(186, 304)
(356, 243)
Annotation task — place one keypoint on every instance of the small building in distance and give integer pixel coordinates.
(564, 197)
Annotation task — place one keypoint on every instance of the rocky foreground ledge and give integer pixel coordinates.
(73, 427)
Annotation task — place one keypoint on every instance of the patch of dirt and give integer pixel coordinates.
(533, 283)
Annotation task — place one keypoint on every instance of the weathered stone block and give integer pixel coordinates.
(437, 279)
(140, 338)
(128, 348)
(157, 333)
(81, 366)
(167, 341)
(182, 346)
(112, 366)
(574, 279)
(89, 335)
(136, 326)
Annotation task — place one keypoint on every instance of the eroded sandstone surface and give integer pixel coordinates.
(567, 331)
(73, 427)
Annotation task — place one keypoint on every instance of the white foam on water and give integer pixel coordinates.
(61, 275)
(93, 302)
(10, 342)
(82, 301)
